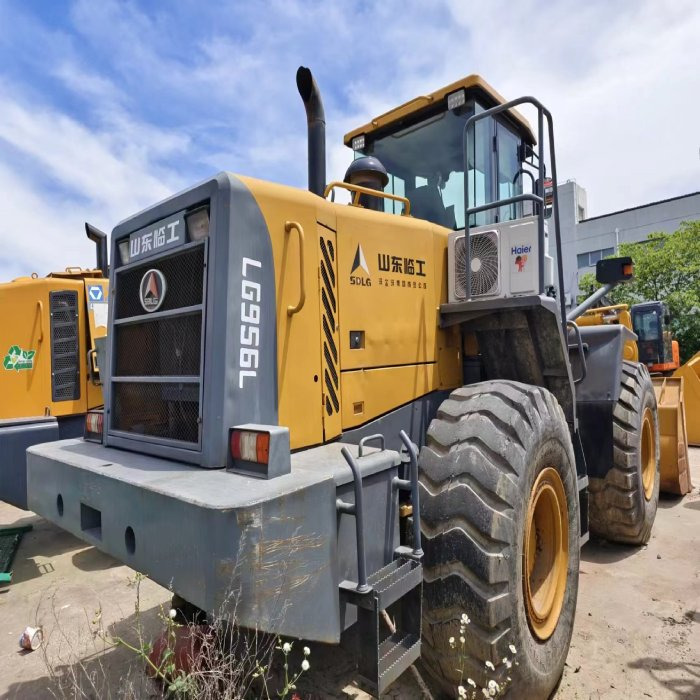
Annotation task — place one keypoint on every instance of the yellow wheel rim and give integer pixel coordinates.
(648, 456)
(546, 553)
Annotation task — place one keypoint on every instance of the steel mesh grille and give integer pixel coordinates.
(330, 351)
(184, 273)
(65, 368)
(162, 347)
(165, 410)
(168, 347)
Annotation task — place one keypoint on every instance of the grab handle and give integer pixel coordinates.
(40, 308)
(291, 310)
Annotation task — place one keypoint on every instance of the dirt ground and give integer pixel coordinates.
(637, 631)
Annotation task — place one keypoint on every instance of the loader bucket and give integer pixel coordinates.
(690, 372)
(675, 474)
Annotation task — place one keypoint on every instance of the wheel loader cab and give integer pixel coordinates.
(423, 146)
(651, 322)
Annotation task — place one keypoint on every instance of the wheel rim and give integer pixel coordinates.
(546, 553)
(648, 454)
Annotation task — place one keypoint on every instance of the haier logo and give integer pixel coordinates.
(360, 263)
(520, 249)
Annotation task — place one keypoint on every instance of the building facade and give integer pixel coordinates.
(585, 240)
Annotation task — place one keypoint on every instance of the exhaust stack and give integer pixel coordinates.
(99, 238)
(316, 125)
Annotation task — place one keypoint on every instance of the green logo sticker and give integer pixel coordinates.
(18, 359)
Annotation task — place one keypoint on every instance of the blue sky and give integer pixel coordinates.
(109, 106)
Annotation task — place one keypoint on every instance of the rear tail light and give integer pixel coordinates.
(94, 425)
(250, 446)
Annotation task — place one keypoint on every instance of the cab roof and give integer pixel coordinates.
(472, 84)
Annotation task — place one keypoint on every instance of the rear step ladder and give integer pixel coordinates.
(382, 659)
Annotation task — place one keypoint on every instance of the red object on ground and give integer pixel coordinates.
(186, 647)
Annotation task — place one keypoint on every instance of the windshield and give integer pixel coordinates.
(425, 163)
(646, 325)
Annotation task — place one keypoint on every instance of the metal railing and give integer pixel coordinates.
(536, 197)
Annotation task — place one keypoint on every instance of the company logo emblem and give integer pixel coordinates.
(520, 262)
(152, 290)
(359, 264)
(95, 292)
(359, 261)
(18, 359)
(520, 251)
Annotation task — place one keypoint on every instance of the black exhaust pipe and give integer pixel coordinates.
(316, 125)
(99, 238)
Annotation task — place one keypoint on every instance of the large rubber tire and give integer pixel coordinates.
(485, 450)
(620, 509)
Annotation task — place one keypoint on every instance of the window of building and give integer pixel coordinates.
(591, 258)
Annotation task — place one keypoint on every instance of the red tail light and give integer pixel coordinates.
(94, 426)
(250, 446)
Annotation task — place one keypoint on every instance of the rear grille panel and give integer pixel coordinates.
(184, 272)
(157, 357)
(173, 347)
(163, 410)
(65, 368)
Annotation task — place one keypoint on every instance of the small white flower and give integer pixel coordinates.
(451, 640)
(462, 640)
(485, 693)
(488, 664)
(462, 691)
(513, 650)
(305, 665)
(286, 647)
(307, 651)
(471, 682)
(465, 619)
(493, 686)
(172, 613)
(507, 662)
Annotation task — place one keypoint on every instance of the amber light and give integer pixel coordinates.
(628, 270)
(250, 446)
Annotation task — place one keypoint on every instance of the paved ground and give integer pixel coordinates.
(637, 630)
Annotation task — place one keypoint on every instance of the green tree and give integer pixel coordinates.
(666, 268)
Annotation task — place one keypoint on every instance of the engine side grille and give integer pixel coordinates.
(65, 368)
(157, 356)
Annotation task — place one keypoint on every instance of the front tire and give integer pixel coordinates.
(622, 506)
(500, 523)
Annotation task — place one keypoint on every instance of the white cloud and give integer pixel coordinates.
(124, 105)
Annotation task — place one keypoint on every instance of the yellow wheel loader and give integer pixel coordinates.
(49, 377)
(320, 414)
(650, 323)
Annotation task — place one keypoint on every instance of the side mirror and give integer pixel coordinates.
(613, 270)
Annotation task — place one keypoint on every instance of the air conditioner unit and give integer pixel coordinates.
(504, 261)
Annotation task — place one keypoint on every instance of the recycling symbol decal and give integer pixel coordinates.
(18, 359)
